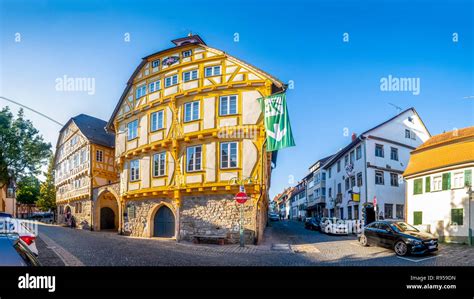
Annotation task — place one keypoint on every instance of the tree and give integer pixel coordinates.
(47, 198)
(22, 150)
(28, 190)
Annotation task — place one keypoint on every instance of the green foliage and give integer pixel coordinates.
(22, 148)
(28, 190)
(47, 199)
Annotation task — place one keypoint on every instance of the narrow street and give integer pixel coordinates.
(286, 243)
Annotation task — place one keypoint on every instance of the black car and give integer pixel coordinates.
(399, 236)
(14, 252)
(312, 223)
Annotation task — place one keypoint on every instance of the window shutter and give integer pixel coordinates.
(446, 181)
(428, 184)
(417, 218)
(468, 178)
(418, 186)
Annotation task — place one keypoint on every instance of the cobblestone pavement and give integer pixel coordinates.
(286, 243)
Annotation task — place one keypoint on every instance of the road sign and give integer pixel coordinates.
(241, 197)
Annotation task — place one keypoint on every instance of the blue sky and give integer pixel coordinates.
(336, 84)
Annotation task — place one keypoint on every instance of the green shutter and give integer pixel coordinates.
(446, 181)
(417, 218)
(418, 186)
(468, 178)
(427, 184)
(457, 216)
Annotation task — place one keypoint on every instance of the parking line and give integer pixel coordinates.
(417, 261)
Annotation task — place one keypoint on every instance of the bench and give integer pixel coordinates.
(220, 239)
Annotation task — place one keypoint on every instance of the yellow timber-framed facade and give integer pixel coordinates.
(189, 129)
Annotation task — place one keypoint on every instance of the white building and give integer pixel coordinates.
(298, 201)
(370, 167)
(439, 185)
(316, 188)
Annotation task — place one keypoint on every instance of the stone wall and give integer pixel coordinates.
(216, 215)
(138, 225)
(83, 219)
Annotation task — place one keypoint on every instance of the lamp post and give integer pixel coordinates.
(241, 182)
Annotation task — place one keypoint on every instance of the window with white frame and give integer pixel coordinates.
(394, 153)
(155, 63)
(379, 150)
(187, 53)
(379, 180)
(190, 75)
(191, 111)
(437, 183)
(229, 154)
(156, 120)
(141, 91)
(358, 152)
(458, 180)
(99, 156)
(194, 158)
(394, 179)
(132, 129)
(171, 80)
(228, 105)
(409, 134)
(74, 140)
(212, 71)
(154, 86)
(159, 162)
(134, 170)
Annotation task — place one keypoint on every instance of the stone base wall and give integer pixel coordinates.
(83, 219)
(137, 225)
(216, 215)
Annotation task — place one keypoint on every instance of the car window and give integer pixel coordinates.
(383, 226)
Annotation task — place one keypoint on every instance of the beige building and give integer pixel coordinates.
(84, 165)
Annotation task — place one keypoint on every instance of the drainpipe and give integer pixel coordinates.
(261, 187)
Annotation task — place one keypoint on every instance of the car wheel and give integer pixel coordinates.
(401, 248)
(363, 240)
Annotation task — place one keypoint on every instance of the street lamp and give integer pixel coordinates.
(241, 182)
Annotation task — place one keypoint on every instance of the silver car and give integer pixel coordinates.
(15, 252)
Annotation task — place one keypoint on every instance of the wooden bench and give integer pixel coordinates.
(220, 239)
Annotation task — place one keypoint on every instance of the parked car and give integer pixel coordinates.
(19, 227)
(273, 217)
(15, 252)
(43, 217)
(312, 223)
(399, 236)
(334, 226)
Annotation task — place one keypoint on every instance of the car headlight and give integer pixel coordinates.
(414, 242)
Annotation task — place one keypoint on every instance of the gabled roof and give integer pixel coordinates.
(93, 129)
(347, 148)
(181, 43)
(443, 150)
(321, 162)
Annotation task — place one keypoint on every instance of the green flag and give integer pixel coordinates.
(277, 122)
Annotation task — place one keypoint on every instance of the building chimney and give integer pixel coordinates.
(354, 136)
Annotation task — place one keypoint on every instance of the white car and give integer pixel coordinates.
(334, 226)
(24, 229)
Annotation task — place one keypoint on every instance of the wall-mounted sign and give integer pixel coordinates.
(350, 169)
(170, 60)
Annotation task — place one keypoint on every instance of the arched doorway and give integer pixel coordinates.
(107, 218)
(106, 211)
(163, 223)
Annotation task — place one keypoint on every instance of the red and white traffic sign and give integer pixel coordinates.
(241, 197)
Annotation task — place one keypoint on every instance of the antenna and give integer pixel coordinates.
(399, 109)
